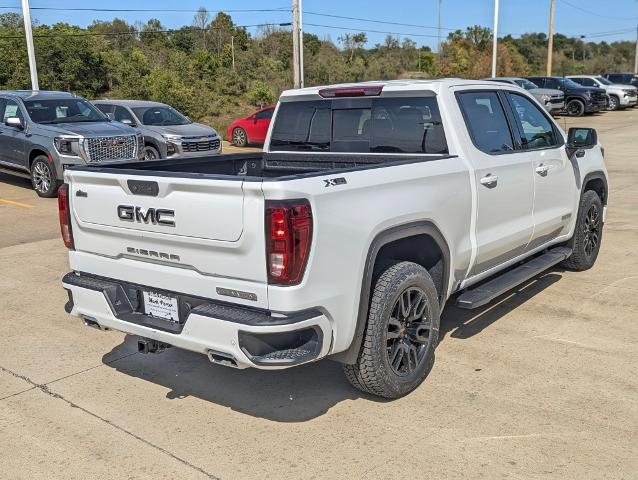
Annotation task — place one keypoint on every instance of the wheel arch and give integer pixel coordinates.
(36, 152)
(597, 182)
(419, 242)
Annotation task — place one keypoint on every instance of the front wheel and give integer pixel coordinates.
(240, 139)
(43, 178)
(397, 351)
(575, 108)
(151, 153)
(588, 233)
(614, 103)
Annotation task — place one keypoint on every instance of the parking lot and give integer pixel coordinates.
(541, 384)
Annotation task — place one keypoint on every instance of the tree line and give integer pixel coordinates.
(214, 70)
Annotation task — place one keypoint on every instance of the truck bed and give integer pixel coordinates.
(260, 165)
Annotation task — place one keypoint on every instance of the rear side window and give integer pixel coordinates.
(378, 125)
(486, 121)
(536, 129)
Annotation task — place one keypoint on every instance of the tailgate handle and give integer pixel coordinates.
(143, 187)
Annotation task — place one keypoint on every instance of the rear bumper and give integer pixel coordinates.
(249, 337)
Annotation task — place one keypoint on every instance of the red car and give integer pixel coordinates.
(251, 129)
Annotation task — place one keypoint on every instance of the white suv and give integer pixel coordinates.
(620, 96)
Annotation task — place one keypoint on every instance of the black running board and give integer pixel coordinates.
(497, 286)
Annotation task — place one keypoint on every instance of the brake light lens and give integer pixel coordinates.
(360, 91)
(288, 239)
(64, 211)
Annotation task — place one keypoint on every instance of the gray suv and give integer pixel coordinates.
(167, 133)
(44, 132)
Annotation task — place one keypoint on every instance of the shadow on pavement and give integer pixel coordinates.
(15, 181)
(297, 394)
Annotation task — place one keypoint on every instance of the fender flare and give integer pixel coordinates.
(392, 234)
(597, 175)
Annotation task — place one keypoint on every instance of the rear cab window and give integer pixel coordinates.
(360, 125)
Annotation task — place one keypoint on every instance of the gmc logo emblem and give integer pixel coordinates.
(112, 143)
(155, 216)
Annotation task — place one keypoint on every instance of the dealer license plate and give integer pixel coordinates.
(161, 306)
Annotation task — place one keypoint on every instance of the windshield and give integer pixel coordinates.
(604, 81)
(526, 84)
(569, 83)
(67, 110)
(160, 116)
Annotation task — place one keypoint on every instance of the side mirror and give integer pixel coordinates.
(14, 122)
(110, 116)
(129, 122)
(580, 139)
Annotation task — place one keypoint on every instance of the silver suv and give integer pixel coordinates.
(620, 96)
(44, 132)
(167, 133)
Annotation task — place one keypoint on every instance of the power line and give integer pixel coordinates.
(376, 21)
(597, 14)
(138, 32)
(403, 34)
(147, 10)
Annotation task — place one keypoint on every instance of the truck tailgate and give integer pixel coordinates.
(212, 226)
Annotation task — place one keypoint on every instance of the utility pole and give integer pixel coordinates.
(550, 41)
(297, 44)
(495, 41)
(438, 48)
(636, 57)
(232, 49)
(301, 73)
(26, 14)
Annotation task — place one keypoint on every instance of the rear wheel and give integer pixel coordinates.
(588, 233)
(397, 352)
(43, 177)
(240, 139)
(575, 108)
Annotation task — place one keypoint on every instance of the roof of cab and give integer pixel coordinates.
(130, 103)
(38, 94)
(393, 86)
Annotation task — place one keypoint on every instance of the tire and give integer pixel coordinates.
(151, 153)
(575, 108)
(240, 139)
(397, 352)
(614, 103)
(588, 233)
(43, 177)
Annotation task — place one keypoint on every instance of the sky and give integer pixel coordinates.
(598, 20)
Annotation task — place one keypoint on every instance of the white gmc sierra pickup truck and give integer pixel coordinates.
(369, 207)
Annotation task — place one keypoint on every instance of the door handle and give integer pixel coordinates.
(542, 170)
(490, 181)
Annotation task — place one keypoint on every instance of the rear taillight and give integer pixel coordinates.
(64, 211)
(288, 239)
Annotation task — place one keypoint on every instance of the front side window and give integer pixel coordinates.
(536, 130)
(122, 114)
(378, 125)
(585, 82)
(73, 110)
(160, 116)
(553, 83)
(486, 121)
(526, 84)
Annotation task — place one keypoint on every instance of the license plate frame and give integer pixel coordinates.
(161, 305)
